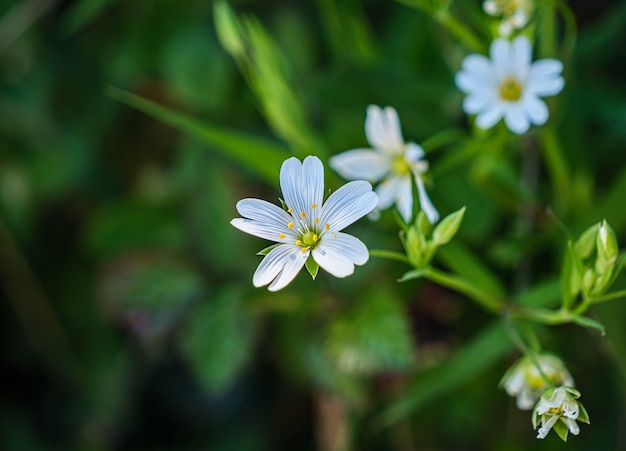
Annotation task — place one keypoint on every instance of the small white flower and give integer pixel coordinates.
(309, 227)
(390, 161)
(515, 13)
(531, 375)
(559, 408)
(508, 85)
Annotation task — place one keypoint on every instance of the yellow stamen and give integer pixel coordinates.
(314, 206)
(282, 235)
(303, 214)
(327, 227)
(304, 249)
(298, 242)
(317, 220)
(510, 90)
(289, 210)
(315, 237)
(290, 225)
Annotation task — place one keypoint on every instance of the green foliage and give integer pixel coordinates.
(219, 339)
(371, 336)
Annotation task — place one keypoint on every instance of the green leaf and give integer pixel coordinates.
(467, 363)
(561, 429)
(411, 275)
(585, 321)
(267, 249)
(372, 336)
(219, 339)
(259, 156)
(312, 267)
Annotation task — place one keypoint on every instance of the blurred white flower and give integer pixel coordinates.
(308, 227)
(508, 85)
(390, 161)
(515, 13)
(531, 375)
(559, 408)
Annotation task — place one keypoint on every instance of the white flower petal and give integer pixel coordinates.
(542, 432)
(302, 184)
(338, 252)
(571, 425)
(516, 119)
(521, 53)
(414, 153)
(500, 53)
(545, 87)
(290, 270)
(536, 110)
(360, 164)
(491, 7)
(490, 115)
(382, 128)
(404, 198)
(386, 192)
(474, 103)
(350, 202)
(425, 204)
(284, 259)
(264, 230)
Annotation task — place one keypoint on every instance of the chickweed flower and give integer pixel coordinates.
(559, 409)
(390, 161)
(531, 375)
(515, 14)
(508, 85)
(307, 227)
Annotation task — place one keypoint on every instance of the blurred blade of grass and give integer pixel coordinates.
(260, 156)
(347, 31)
(478, 355)
(270, 77)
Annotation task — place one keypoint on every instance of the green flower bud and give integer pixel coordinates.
(589, 279)
(606, 244)
(447, 228)
(415, 246)
(586, 244)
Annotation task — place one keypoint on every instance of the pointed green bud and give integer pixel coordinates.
(423, 224)
(447, 228)
(607, 247)
(415, 246)
(589, 279)
(586, 244)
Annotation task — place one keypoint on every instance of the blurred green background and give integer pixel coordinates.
(128, 319)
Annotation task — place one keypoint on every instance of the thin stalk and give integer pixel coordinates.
(390, 255)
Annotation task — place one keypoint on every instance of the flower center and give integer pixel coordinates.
(510, 90)
(399, 166)
(307, 229)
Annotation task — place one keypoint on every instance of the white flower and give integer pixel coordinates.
(559, 408)
(508, 85)
(531, 375)
(309, 227)
(390, 161)
(515, 13)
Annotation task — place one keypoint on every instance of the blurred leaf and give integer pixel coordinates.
(585, 321)
(130, 225)
(81, 13)
(257, 155)
(219, 339)
(374, 335)
(461, 260)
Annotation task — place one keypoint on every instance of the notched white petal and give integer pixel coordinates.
(361, 164)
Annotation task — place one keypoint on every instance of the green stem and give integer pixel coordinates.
(461, 32)
(485, 300)
(390, 255)
(556, 164)
(443, 138)
(607, 297)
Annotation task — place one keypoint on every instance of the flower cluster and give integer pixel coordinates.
(515, 14)
(527, 379)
